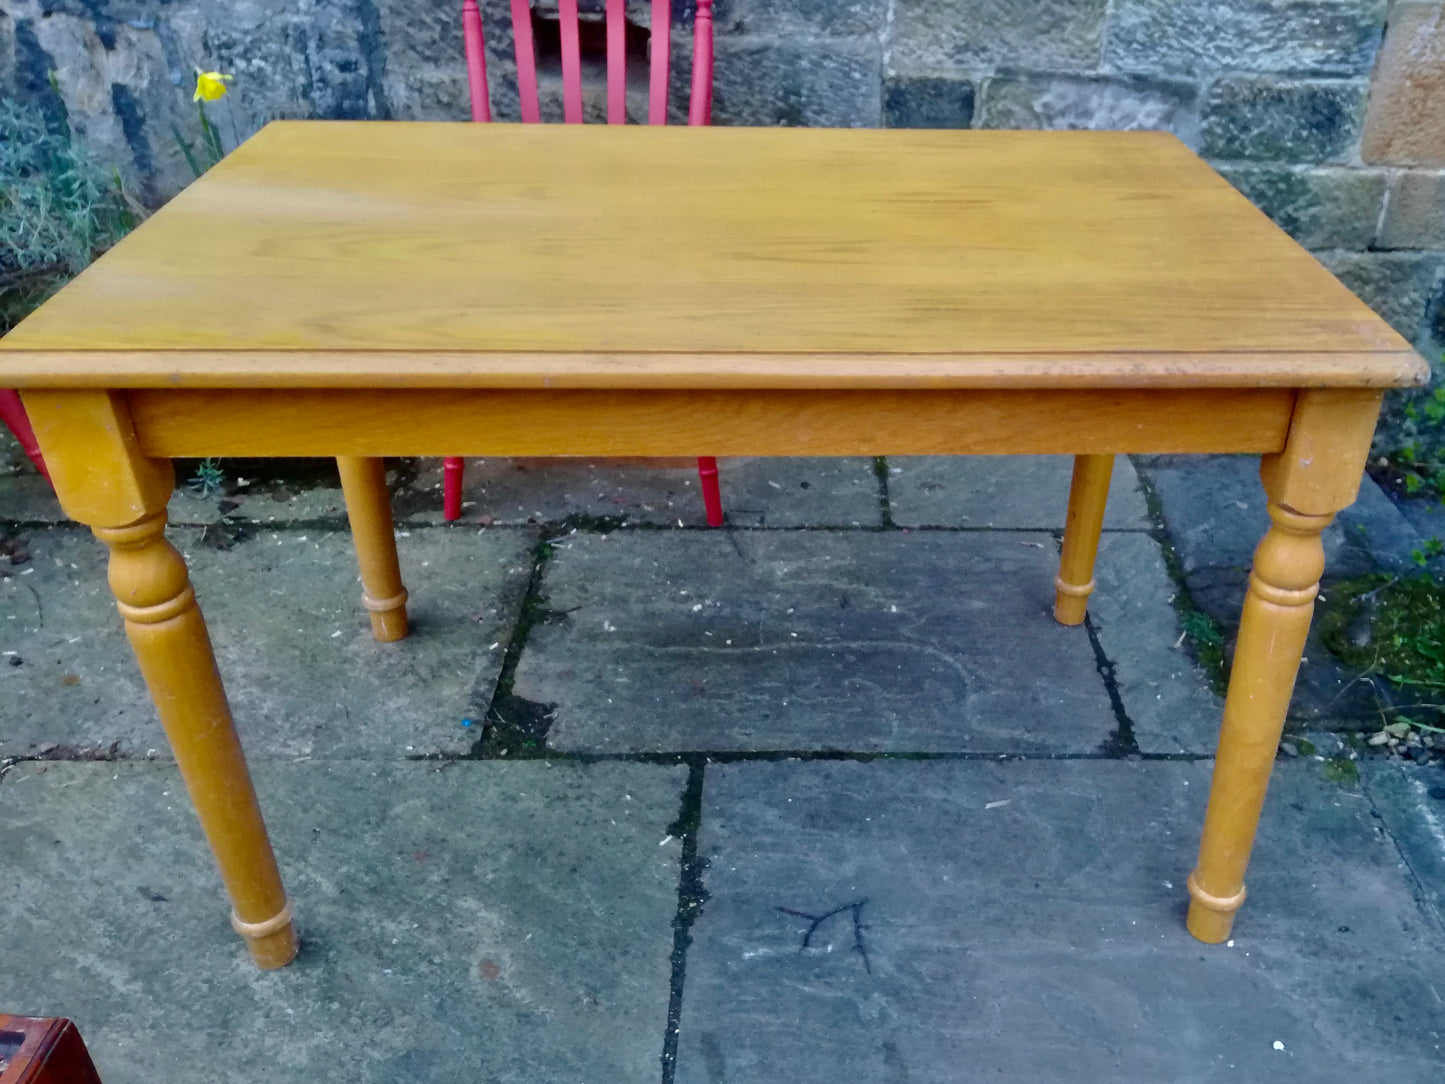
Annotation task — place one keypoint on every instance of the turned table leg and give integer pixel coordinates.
(1088, 494)
(1316, 475)
(368, 505)
(103, 480)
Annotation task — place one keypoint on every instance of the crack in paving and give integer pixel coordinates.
(1120, 743)
(854, 909)
(514, 726)
(885, 499)
(691, 896)
(771, 756)
(1417, 885)
(1211, 658)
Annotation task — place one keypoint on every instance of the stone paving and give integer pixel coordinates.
(823, 796)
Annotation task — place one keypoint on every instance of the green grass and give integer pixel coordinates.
(1406, 645)
(58, 209)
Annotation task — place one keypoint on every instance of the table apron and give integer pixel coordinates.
(499, 422)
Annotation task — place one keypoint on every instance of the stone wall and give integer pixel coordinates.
(1329, 114)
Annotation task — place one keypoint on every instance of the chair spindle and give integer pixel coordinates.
(571, 63)
(526, 62)
(616, 61)
(661, 45)
(476, 61)
(700, 107)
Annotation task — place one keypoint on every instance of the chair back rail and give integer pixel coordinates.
(524, 41)
(699, 111)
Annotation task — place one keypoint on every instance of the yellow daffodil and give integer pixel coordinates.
(210, 86)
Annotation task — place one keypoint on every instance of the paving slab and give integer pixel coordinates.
(1019, 492)
(1411, 802)
(1215, 512)
(474, 921)
(1166, 695)
(791, 640)
(304, 676)
(898, 921)
(756, 492)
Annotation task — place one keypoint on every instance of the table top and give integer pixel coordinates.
(374, 254)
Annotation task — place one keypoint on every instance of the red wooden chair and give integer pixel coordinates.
(12, 413)
(41, 1050)
(699, 112)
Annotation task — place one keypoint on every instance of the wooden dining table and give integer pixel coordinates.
(364, 289)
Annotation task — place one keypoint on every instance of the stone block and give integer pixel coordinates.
(424, 77)
(508, 923)
(927, 102)
(823, 83)
(1403, 287)
(126, 77)
(1023, 921)
(1415, 215)
(787, 17)
(1321, 37)
(1406, 122)
(666, 641)
(1282, 120)
(946, 37)
(1049, 100)
(1319, 208)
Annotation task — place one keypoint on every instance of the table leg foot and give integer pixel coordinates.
(272, 943)
(363, 480)
(1211, 917)
(1088, 494)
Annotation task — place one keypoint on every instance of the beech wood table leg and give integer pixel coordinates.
(1088, 495)
(368, 505)
(1316, 475)
(102, 480)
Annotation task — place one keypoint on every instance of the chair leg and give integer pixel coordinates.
(368, 505)
(12, 413)
(1088, 494)
(711, 494)
(452, 468)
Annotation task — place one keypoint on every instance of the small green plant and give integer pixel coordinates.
(1206, 638)
(1433, 410)
(1342, 770)
(207, 480)
(1420, 466)
(1404, 621)
(1422, 555)
(58, 208)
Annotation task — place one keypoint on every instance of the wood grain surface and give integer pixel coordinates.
(356, 253)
